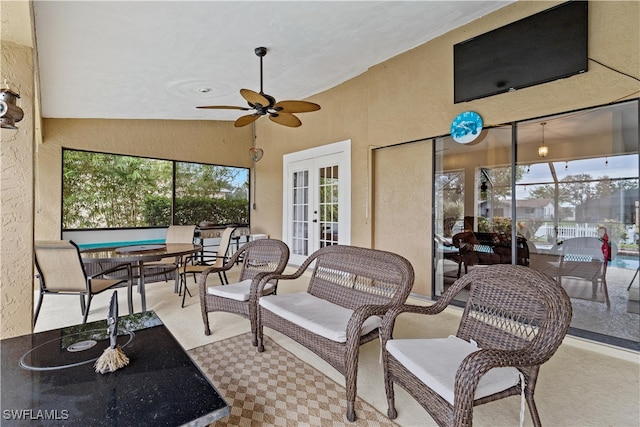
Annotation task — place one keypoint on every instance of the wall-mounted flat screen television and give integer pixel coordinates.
(549, 45)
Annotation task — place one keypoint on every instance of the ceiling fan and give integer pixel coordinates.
(280, 112)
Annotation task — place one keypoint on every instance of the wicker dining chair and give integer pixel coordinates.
(61, 272)
(514, 320)
(258, 258)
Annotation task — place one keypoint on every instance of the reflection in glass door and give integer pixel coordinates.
(472, 205)
(576, 205)
(570, 203)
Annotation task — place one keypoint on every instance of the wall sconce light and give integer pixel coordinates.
(256, 153)
(10, 113)
(543, 150)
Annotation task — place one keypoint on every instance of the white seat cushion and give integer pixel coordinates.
(238, 291)
(316, 315)
(436, 361)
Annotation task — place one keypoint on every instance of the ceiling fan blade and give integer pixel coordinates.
(224, 107)
(254, 98)
(296, 106)
(286, 119)
(246, 120)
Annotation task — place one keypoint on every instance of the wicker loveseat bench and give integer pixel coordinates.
(349, 292)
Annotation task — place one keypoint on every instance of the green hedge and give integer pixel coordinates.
(194, 210)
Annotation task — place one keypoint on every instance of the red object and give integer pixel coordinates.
(606, 249)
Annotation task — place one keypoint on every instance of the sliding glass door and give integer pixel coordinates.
(565, 189)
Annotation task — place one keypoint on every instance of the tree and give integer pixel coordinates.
(542, 192)
(106, 191)
(501, 180)
(114, 191)
(200, 180)
(577, 189)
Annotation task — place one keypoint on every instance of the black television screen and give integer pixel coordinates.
(543, 47)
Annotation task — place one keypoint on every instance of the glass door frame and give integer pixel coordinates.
(316, 158)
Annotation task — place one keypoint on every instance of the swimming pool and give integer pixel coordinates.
(84, 246)
(629, 262)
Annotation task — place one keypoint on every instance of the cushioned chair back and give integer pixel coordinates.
(180, 233)
(264, 255)
(379, 277)
(225, 241)
(59, 264)
(511, 307)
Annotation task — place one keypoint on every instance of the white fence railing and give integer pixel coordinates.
(547, 232)
(567, 231)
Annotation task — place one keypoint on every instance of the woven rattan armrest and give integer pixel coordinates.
(386, 330)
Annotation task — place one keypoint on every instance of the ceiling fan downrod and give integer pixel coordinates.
(261, 52)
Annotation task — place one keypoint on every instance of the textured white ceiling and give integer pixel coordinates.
(150, 59)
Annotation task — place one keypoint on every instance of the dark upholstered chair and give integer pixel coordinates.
(258, 258)
(514, 321)
(487, 249)
(350, 289)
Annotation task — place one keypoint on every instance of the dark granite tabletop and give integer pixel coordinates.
(43, 382)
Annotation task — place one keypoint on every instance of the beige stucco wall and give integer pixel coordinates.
(16, 197)
(407, 98)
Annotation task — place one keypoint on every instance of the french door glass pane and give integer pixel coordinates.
(328, 205)
(300, 231)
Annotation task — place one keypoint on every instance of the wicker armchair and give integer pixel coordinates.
(517, 316)
(349, 290)
(258, 258)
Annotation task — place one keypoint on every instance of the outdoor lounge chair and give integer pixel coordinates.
(582, 258)
(61, 272)
(175, 234)
(514, 320)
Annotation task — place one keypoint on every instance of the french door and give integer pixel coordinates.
(317, 199)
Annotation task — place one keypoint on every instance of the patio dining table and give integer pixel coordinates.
(137, 255)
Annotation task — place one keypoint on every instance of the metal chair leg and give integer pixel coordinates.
(35, 318)
(86, 312)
